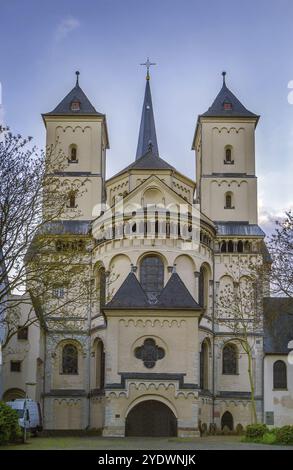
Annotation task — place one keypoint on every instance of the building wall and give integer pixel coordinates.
(29, 352)
(277, 402)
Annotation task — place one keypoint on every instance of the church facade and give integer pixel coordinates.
(149, 356)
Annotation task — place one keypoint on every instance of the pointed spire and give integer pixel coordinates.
(147, 139)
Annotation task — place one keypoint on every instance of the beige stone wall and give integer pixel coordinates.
(280, 402)
(29, 352)
(67, 413)
(89, 138)
(184, 405)
(210, 144)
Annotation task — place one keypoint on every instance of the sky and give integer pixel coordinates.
(42, 44)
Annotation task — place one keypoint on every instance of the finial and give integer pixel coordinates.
(77, 75)
(148, 64)
(224, 77)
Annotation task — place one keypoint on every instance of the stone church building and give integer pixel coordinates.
(149, 358)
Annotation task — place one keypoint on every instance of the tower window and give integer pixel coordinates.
(75, 105)
(228, 155)
(228, 201)
(72, 154)
(71, 200)
(227, 106)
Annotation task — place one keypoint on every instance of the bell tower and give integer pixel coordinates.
(225, 160)
(77, 130)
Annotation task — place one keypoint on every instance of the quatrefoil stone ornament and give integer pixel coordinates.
(149, 353)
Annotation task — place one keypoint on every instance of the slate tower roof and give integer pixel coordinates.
(75, 103)
(147, 131)
(226, 104)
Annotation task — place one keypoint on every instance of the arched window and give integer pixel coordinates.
(228, 155)
(228, 201)
(223, 247)
(152, 276)
(72, 153)
(240, 246)
(230, 246)
(204, 366)
(100, 365)
(280, 375)
(202, 294)
(72, 202)
(227, 421)
(230, 359)
(69, 359)
(101, 287)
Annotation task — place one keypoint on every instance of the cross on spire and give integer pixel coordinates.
(224, 77)
(77, 77)
(148, 64)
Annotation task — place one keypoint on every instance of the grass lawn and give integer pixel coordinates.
(97, 443)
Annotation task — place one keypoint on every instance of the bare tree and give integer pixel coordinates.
(33, 258)
(281, 250)
(239, 311)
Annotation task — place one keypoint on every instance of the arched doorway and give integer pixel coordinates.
(227, 420)
(151, 418)
(13, 393)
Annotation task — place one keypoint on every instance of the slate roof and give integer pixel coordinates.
(239, 228)
(224, 96)
(130, 294)
(278, 324)
(174, 295)
(147, 131)
(147, 162)
(79, 227)
(76, 94)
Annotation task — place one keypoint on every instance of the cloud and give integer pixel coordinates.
(268, 218)
(65, 27)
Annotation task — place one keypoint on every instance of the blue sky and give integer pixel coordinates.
(43, 43)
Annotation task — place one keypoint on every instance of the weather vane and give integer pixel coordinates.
(148, 64)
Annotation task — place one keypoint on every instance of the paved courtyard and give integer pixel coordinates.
(100, 443)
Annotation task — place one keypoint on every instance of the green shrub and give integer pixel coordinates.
(9, 428)
(256, 431)
(284, 435)
(269, 438)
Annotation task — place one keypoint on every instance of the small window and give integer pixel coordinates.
(73, 154)
(22, 332)
(72, 203)
(15, 366)
(230, 359)
(228, 201)
(75, 105)
(280, 375)
(70, 360)
(227, 106)
(58, 292)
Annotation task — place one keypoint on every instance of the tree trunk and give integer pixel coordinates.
(250, 374)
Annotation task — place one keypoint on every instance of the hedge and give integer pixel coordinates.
(9, 427)
(255, 431)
